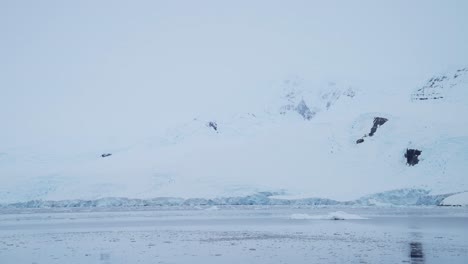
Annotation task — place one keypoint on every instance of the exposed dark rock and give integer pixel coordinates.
(304, 110)
(411, 156)
(106, 155)
(434, 88)
(350, 93)
(450, 205)
(213, 125)
(430, 98)
(460, 72)
(378, 121)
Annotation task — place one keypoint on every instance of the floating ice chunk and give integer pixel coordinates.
(302, 216)
(339, 215)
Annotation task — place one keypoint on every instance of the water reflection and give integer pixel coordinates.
(104, 258)
(416, 253)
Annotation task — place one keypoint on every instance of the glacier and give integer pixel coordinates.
(403, 197)
(301, 143)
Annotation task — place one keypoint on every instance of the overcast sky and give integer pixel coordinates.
(92, 71)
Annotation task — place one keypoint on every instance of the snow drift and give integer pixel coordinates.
(459, 199)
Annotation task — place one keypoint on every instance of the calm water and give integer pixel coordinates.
(234, 235)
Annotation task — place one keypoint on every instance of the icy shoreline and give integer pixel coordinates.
(401, 197)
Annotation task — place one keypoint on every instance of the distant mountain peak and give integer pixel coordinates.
(309, 100)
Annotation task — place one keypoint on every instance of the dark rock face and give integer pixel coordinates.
(213, 125)
(378, 121)
(435, 88)
(411, 156)
(304, 110)
(460, 72)
(106, 155)
(432, 90)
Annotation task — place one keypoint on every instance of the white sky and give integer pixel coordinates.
(78, 73)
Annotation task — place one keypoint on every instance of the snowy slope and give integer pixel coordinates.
(459, 199)
(301, 143)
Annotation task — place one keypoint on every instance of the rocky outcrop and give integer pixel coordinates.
(378, 121)
(435, 87)
(432, 90)
(460, 72)
(411, 156)
(304, 110)
(213, 125)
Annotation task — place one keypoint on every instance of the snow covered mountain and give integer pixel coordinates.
(312, 139)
